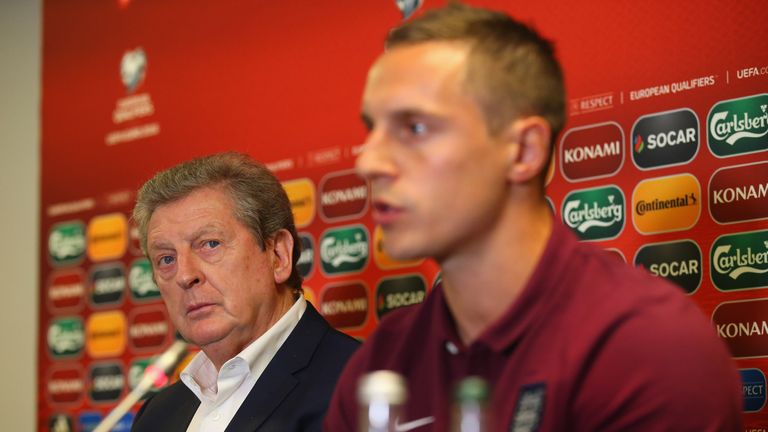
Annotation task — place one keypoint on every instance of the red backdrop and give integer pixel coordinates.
(282, 81)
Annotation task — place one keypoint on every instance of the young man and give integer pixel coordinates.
(462, 109)
(220, 235)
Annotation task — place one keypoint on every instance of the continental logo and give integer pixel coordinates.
(739, 193)
(309, 294)
(105, 334)
(343, 195)
(738, 126)
(306, 262)
(591, 152)
(66, 337)
(301, 193)
(752, 389)
(66, 291)
(743, 327)
(740, 261)
(65, 385)
(140, 280)
(66, 243)
(107, 284)
(666, 204)
(345, 305)
(107, 382)
(396, 292)
(595, 214)
(665, 139)
(678, 262)
(107, 237)
(148, 328)
(344, 250)
(382, 259)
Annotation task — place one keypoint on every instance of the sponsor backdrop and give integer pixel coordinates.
(662, 162)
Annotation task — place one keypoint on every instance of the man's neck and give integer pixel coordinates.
(483, 280)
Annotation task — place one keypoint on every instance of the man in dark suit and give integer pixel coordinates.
(220, 235)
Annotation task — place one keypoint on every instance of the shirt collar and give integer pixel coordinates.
(201, 377)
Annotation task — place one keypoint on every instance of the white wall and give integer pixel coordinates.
(20, 53)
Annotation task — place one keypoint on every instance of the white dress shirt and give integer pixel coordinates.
(222, 393)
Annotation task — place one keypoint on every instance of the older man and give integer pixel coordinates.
(462, 110)
(220, 235)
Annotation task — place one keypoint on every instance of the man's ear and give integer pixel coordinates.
(280, 248)
(528, 142)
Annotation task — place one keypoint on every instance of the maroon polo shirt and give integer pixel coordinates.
(590, 344)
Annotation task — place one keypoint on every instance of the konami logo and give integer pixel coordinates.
(743, 327)
(66, 385)
(345, 305)
(343, 195)
(591, 152)
(739, 193)
(66, 291)
(148, 328)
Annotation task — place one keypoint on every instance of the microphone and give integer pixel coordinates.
(155, 375)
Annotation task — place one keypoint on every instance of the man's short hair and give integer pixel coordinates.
(511, 70)
(259, 200)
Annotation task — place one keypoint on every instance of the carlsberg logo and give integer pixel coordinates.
(595, 214)
(739, 126)
(740, 261)
(66, 242)
(66, 337)
(344, 250)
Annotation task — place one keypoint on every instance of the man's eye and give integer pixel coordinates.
(165, 260)
(417, 128)
(211, 244)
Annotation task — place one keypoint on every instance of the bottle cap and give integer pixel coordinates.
(382, 385)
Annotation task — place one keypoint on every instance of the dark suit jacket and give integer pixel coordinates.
(291, 395)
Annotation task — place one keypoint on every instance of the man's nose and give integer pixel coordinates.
(188, 274)
(376, 159)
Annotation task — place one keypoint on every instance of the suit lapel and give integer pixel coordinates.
(278, 379)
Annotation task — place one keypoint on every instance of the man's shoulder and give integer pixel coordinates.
(176, 398)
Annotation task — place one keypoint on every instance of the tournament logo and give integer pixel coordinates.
(739, 193)
(752, 389)
(301, 194)
(384, 260)
(742, 326)
(396, 292)
(529, 409)
(408, 7)
(107, 382)
(66, 385)
(740, 261)
(140, 280)
(66, 243)
(592, 152)
(66, 290)
(665, 139)
(107, 237)
(133, 69)
(148, 329)
(60, 423)
(678, 262)
(596, 213)
(66, 337)
(738, 126)
(108, 284)
(345, 305)
(89, 420)
(666, 204)
(105, 334)
(306, 262)
(344, 250)
(343, 195)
